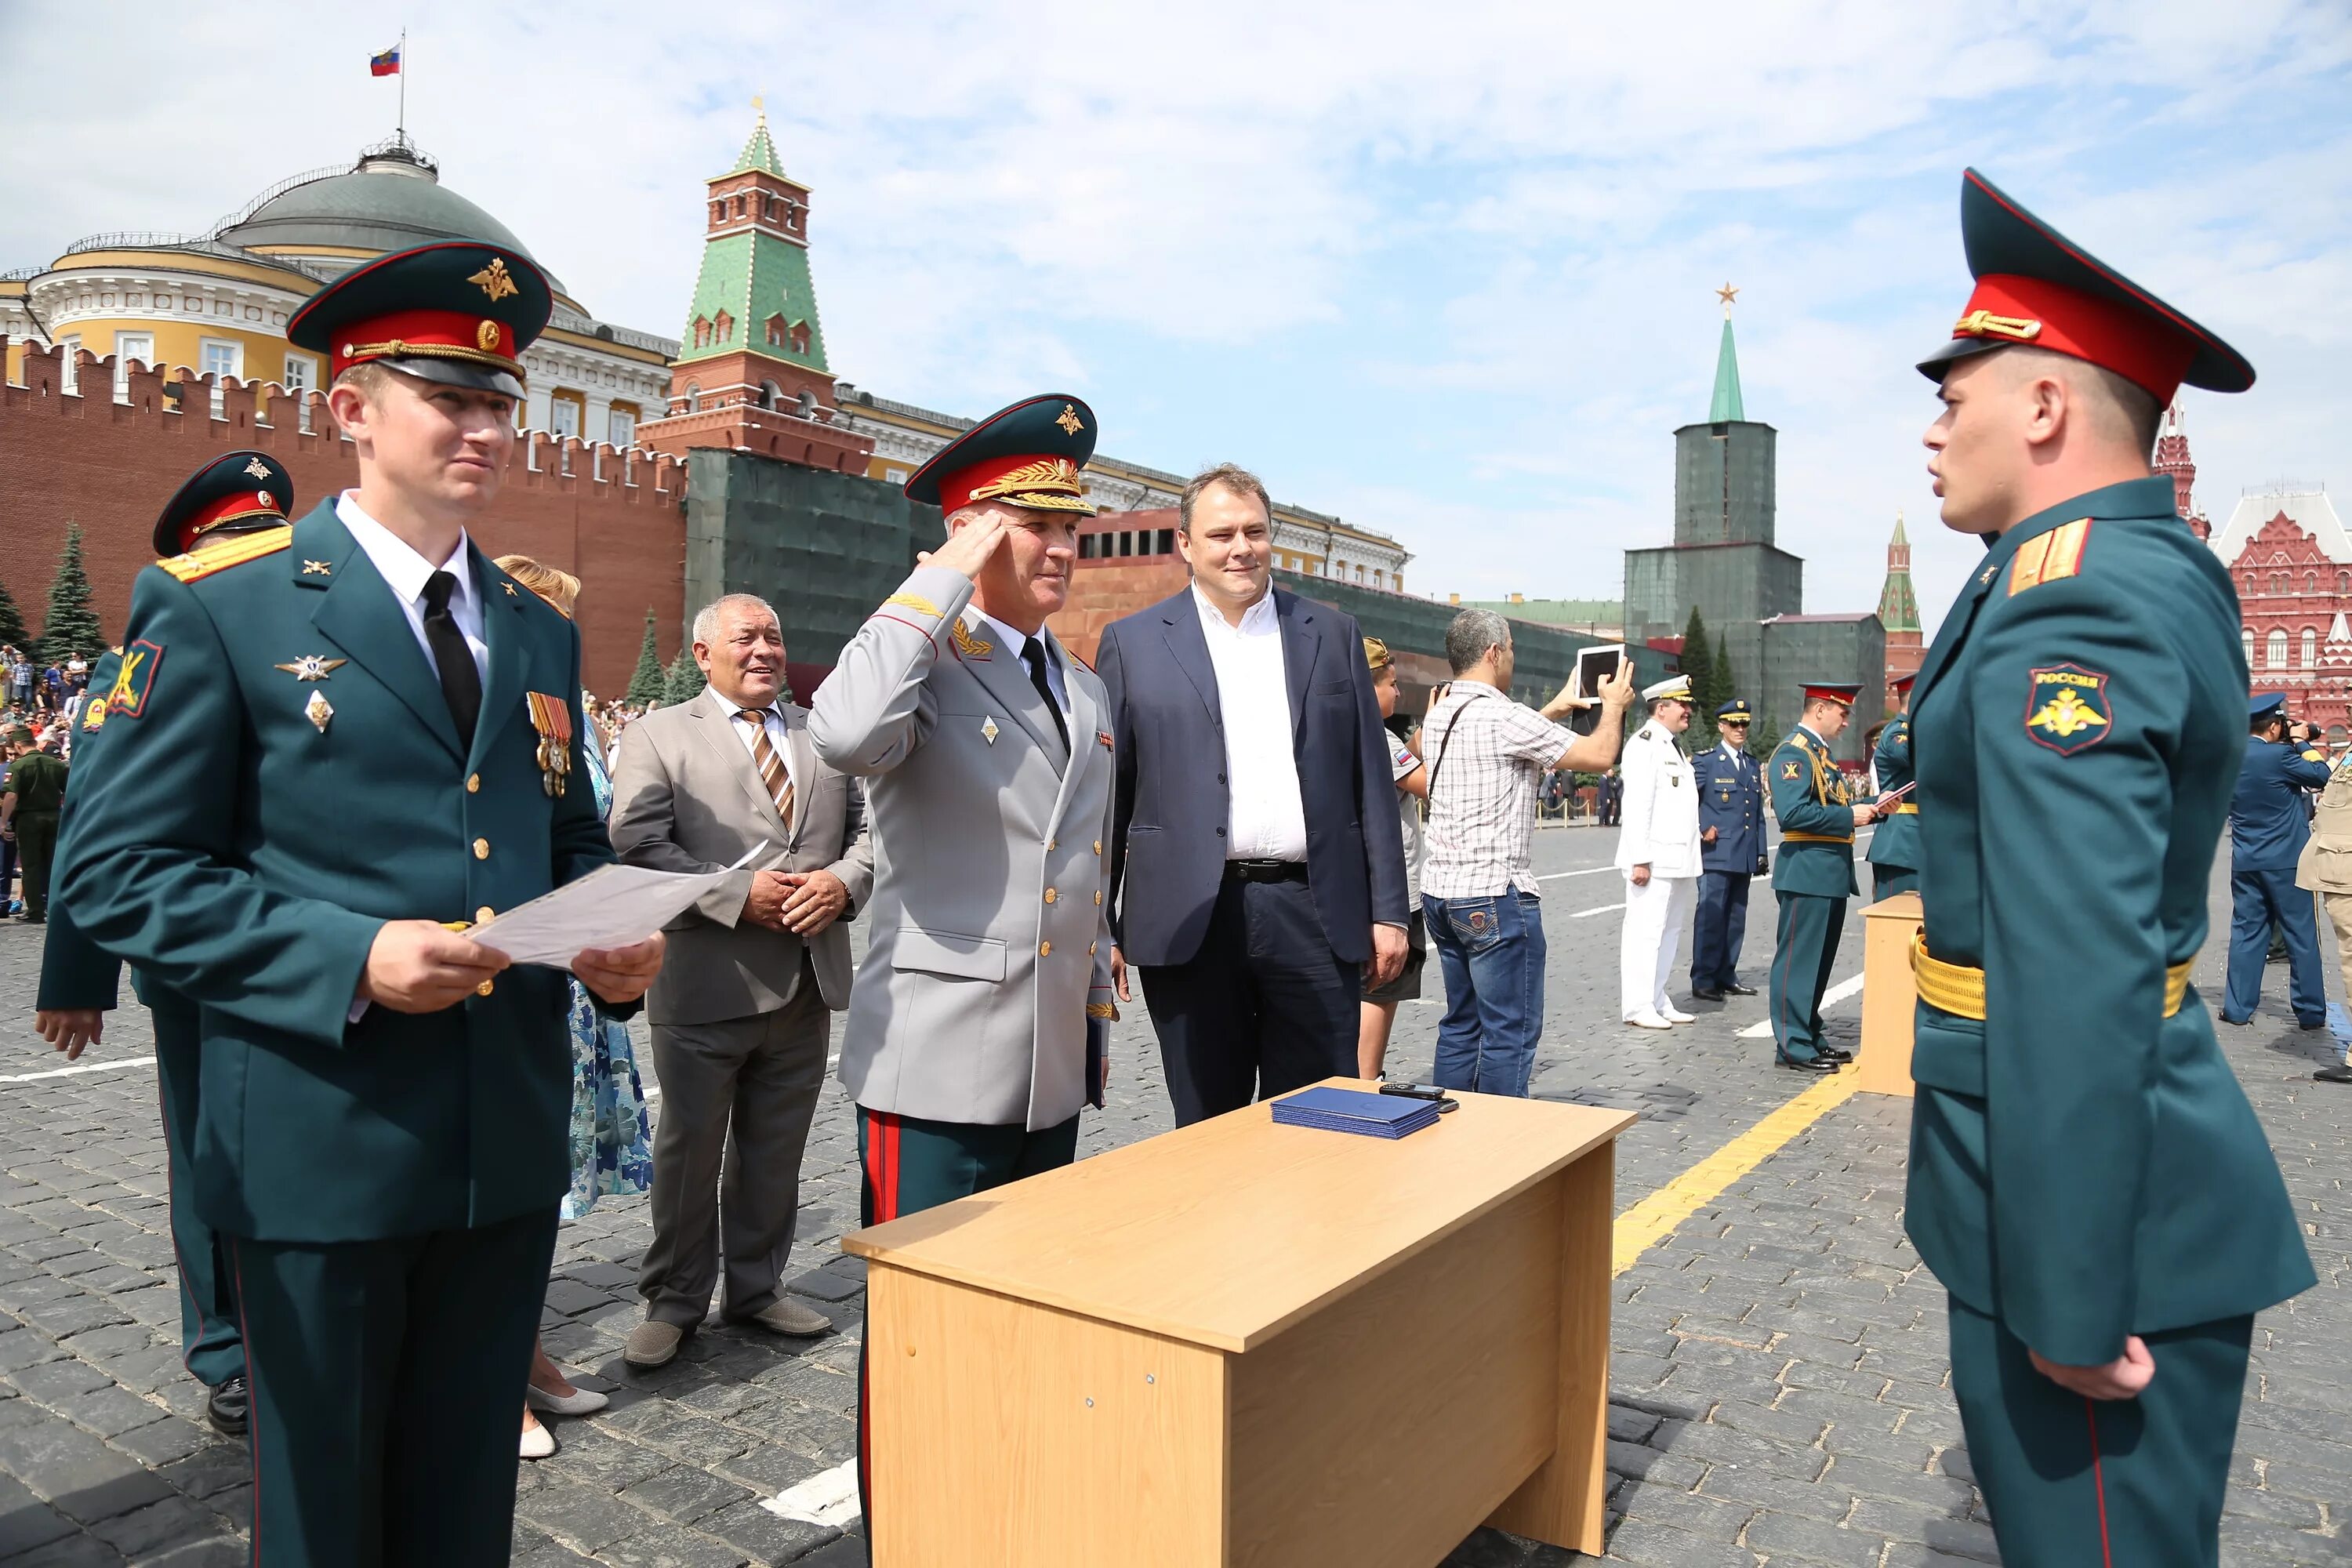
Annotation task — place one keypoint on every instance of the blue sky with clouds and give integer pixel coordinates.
(1444, 271)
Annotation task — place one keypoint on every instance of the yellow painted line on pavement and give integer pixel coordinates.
(1649, 1222)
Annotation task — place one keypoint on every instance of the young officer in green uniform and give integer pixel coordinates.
(1813, 877)
(2087, 1178)
(1894, 847)
(242, 493)
(329, 746)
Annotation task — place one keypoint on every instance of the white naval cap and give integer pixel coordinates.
(1675, 686)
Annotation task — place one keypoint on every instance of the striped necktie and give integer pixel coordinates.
(771, 763)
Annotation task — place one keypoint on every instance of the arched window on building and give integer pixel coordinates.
(694, 405)
(723, 328)
(2274, 652)
(2278, 583)
(775, 331)
(2250, 586)
(2245, 633)
(2310, 582)
(701, 332)
(808, 403)
(771, 394)
(2344, 583)
(2310, 649)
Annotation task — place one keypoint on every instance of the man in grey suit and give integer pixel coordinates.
(742, 1011)
(987, 752)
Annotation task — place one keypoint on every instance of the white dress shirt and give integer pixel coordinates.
(406, 571)
(1007, 637)
(779, 734)
(1265, 815)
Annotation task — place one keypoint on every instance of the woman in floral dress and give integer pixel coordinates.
(611, 1141)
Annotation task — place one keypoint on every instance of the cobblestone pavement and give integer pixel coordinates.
(1777, 1390)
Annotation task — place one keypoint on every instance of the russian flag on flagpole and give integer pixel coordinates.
(386, 63)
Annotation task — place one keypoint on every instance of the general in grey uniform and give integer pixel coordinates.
(975, 1023)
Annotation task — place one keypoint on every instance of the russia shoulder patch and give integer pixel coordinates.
(2067, 707)
(135, 681)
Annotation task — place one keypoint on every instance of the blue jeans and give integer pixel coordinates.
(1491, 951)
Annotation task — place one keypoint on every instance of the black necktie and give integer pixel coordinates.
(1033, 654)
(461, 682)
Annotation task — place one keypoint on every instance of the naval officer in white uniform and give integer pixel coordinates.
(1658, 850)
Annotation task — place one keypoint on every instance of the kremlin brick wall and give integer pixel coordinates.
(612, 518)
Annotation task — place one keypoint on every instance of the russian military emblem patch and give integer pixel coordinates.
(2067, 707)
(136, 679)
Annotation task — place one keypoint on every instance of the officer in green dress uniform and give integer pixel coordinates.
(244, 492)
(1894, 847)
(331, 744)
(2087, 1178)
(1813, 877)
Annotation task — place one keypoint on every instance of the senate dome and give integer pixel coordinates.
(393, 199)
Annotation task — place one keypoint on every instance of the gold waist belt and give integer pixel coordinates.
(1959, 990)
(1906, 809)
(1816, 838)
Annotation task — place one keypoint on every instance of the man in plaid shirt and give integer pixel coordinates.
(1487, 757)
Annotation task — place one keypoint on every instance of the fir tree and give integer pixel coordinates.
(71, 624)
(683, 682)
(1764, 739)
(12, 622)
(645, 683)
(1726, 680)
(1699, 666)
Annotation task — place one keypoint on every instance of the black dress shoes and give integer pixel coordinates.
(1838, 1054)
(226, 1407)
(1709, 996)
(2339, 1073)
(2234, 1022)
(2309, 1024)
(1806, 1064)
(1737, 989)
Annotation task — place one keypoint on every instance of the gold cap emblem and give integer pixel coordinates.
(486, 336)
(496, 280)
(1068, 419)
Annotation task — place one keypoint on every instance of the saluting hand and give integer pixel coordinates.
(621, 973)
(418, 966)
(969, 548)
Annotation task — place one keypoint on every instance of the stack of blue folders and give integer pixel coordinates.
(1353, 1110)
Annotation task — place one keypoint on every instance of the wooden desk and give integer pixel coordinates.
(1888, 994)
(1244, 1343)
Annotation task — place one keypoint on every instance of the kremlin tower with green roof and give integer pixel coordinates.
(750, 372)
(1899, 609)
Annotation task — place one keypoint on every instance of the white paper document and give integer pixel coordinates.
(611, 906)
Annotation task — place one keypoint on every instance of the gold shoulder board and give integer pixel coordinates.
(221, 554)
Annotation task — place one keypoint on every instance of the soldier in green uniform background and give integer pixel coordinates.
(2087, 1178)
(1894, 847)
(30, 798)
(244, 492)
(329, 745)
(1813, 875)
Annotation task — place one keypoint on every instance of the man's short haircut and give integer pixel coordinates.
(706, 619)
(367, 377)
(1473, 633)
(1235, 478)
(2121, 409)
(2265, 719)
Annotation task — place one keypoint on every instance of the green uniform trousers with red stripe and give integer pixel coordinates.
(2103, 1483)
(910, 1163)
(1805, 946)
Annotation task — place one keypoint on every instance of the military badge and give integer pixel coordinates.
(2067, 707)
(916, 603)
(257, 468)
(311, 666)
(988, 730)
(551, 717)
(136, 679)
(94, 716)
(319, 710)
(968, 645)
(495, 279)
(1788, 770)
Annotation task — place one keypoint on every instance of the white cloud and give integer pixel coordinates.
(1447, 270)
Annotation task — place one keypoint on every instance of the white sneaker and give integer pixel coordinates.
(1674, 1015)
(1645, 1019)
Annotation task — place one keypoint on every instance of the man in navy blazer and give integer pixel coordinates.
(1256, 866)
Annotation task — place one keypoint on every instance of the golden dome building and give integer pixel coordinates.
(217, 302)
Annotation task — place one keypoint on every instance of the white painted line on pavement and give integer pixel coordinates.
(1586, 871)
(1837, 992)
(78, 1068)
(1597, 909)
(829, 1497)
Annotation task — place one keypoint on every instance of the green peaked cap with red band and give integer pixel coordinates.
(2036, 287)
(458, 312)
